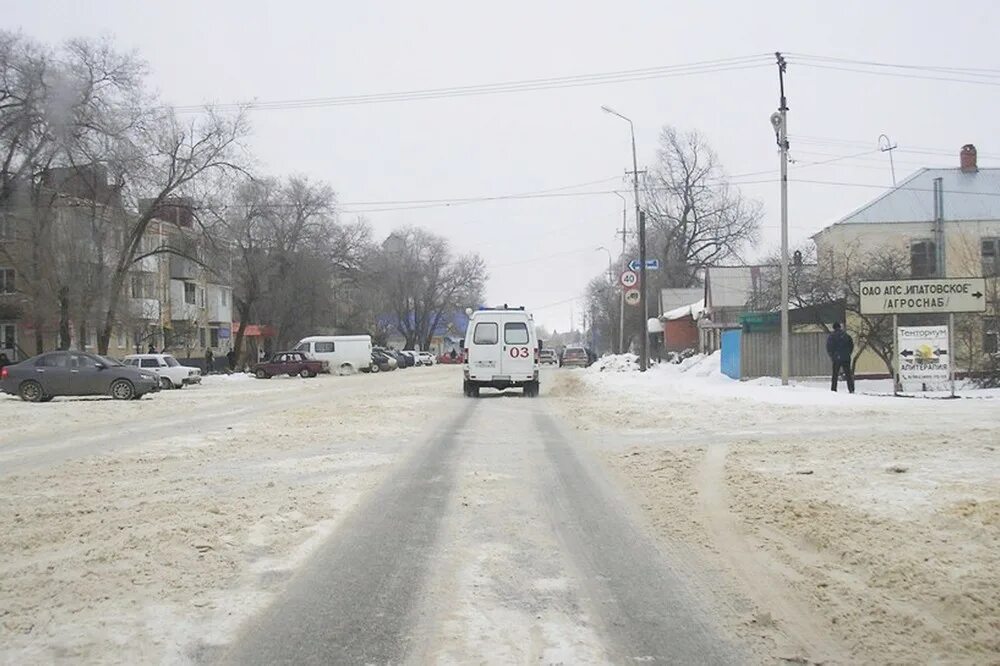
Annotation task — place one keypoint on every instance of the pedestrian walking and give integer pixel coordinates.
(152, 349)
(209, 361)
(231, 359)
(840, 348)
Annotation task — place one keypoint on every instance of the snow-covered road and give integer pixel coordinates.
(673, 515)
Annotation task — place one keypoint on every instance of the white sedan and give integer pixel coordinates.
(171, 373)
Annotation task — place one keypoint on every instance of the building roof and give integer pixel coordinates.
(731, 286)
(968, 195)
(693, 310)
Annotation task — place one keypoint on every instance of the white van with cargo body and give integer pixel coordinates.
(501, 351)
(344, 354)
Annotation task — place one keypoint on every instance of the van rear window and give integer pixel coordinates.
(486, 333)
(515, 333)
(323, 347)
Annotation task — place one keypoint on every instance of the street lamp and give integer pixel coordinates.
(640, 221)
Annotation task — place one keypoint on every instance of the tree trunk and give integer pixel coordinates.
(39, 338)
(244, 311)
(64, 327)
(117, 283)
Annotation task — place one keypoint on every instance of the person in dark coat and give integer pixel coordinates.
(152, 349)
(840, 347)
(4, 360)
(231, 359)
(209, 361)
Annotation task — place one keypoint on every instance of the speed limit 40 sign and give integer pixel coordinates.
(629, 279)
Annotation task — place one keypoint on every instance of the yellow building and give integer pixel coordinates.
(937, 223)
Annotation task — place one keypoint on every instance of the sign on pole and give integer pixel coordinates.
(651, 265)
(923, 354)
(629, 279)
(632, 297)
(923, 296)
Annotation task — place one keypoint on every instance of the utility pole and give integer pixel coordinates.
(779, 120)
(640, 221)
(888, 148)
(621, 289)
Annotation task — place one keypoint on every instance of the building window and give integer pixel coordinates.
(189, 291)
(224, 297)
(6, 227)
(923, 259)
(201, 337)
(991, 257)
(213, 337)
(7, 281)
(8, 336)
(201, 297)
(991, 335)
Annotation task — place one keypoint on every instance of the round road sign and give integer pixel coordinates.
(629, 279)
(632, 297)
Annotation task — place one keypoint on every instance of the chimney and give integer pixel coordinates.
(967, 158)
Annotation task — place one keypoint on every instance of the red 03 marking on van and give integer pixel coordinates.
(519, 352)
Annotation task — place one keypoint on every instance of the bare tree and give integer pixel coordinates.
(423, 283)
(163, 157)
(695, 217)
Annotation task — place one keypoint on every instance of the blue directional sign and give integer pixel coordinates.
(651, 264)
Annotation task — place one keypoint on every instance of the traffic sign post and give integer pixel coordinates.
(629, 279)
(632, 296)
(928, 296)
(936, 295)
(651, 265)
(923, 353)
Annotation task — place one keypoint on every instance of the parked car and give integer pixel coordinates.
(381, 362)
(171, 373)
(548, 357)
(414, 359)
(346, 354)
(402, 359)
(57, 373)
(426, 358)
(447, 359)
(575, 357)
(289, 363)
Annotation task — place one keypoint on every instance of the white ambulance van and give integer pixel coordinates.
(344, 354)
(501, 351)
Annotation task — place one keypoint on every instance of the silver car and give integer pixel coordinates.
(44, 377)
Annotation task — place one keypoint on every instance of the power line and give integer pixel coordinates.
(579, 80)
(971, 71)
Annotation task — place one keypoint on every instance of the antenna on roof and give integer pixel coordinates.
(888, 148)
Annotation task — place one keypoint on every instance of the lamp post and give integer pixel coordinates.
(640, 221)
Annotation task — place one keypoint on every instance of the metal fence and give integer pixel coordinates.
(760, 354)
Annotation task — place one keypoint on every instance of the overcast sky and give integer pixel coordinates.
(541, 251)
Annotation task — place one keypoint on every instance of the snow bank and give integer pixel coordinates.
(616, 363)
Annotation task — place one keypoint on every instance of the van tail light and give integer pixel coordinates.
(537, 355)
(3, 372)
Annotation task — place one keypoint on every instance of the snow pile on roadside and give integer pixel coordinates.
(616, 363)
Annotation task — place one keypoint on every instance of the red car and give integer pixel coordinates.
(447, 359)
(291, 364)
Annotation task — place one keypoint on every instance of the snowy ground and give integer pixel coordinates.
(846, 528)
(145, 532)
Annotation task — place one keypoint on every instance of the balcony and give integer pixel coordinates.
(145, 308)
